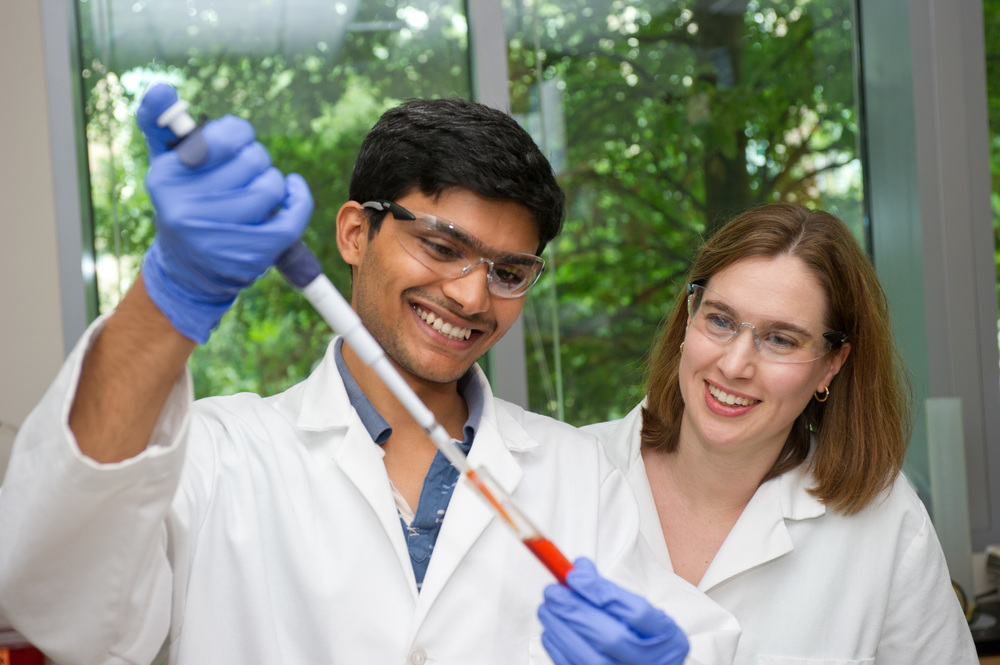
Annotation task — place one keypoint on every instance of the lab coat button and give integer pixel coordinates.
(418, 657)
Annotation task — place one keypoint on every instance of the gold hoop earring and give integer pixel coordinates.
(682, 347)
(825, 393)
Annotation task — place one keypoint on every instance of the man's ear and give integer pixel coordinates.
(352, 232)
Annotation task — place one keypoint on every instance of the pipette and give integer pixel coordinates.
(300, 267)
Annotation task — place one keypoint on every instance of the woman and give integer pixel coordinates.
(767, 453)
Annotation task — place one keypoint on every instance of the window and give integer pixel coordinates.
(663, 119)
(991, 25)
(313, 77)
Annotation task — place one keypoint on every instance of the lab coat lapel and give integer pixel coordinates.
(468, 513)
(360, 460)
(761, 533)
(629, 457)
(320, 403)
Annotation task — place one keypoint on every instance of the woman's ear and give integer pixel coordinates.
(836, 362)
(352, 232)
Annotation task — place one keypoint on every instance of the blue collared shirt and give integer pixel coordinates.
(441, 478)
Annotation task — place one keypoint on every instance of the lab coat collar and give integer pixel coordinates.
(759, 535)
(321, 403)
(311, 400)
(316, 400)
(761, 532)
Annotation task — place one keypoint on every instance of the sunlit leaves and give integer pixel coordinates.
(311, 105)
(676, 117)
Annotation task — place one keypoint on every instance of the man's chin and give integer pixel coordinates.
(437, 371)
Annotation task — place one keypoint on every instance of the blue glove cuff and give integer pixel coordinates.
(190, 317)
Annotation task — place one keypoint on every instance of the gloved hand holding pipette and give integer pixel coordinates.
(220, 224)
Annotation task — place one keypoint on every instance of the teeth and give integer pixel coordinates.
(726, 398)
(446, 329)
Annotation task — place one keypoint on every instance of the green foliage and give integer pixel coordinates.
(991, 24)
(675, 118)
(311, 108)
(661, 118)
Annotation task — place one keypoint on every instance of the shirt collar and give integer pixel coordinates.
(379, 429)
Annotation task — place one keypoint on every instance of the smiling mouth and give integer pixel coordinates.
(731, 400)
(446, 329)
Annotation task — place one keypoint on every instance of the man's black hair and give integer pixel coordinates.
(432, 145)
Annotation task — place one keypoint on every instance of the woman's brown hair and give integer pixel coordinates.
(859, 435)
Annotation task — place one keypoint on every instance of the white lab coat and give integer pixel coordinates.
(265, 531)
(814, 587)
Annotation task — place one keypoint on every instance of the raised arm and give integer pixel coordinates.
(125, 379)
(219, 225)
(84, 568)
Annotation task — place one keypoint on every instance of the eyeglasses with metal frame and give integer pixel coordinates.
(784, 340)
(451, 251)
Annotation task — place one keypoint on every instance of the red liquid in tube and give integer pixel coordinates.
(550, 555)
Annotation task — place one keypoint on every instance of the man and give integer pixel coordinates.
(307, 527)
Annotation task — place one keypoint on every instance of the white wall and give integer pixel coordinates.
(31, 326)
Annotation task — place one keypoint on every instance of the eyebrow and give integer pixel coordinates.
(458, 233)
(777, 324)
(722, 306)
(452, 230)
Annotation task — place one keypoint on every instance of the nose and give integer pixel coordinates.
(471, 288)
(739, 355)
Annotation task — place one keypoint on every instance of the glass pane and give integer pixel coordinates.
(312, 77)
(664, 118)
(991, 26)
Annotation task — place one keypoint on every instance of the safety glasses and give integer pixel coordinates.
(780, 340)
(451, 251)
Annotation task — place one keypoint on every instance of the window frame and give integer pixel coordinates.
(931, 221)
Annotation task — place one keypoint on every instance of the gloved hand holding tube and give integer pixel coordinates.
(220, 224)
(593, 621)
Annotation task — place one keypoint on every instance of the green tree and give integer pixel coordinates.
(677, 115)
(311, 105)
(661, 118)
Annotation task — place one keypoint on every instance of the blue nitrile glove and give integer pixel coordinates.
(596, 622)
(219, 225)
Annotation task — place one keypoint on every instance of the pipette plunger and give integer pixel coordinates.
(190, 147)
(177, 119)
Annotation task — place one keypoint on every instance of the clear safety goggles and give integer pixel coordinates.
(780, 340)
(451, 251)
